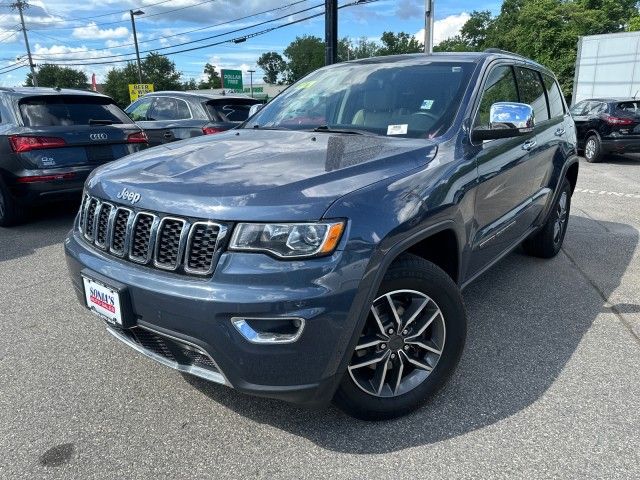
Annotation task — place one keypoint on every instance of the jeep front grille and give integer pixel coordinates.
(169, 243)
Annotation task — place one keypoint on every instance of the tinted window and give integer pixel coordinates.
(500, 87)
(532, 92)
(629, 107)
(596, 107)
(579, 108)
(556, 104)
(400, 99)
(66, 110)
(232, 110)
(139, 109)
(167, 108)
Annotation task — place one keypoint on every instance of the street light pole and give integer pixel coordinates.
(428, 26)
(251, 72)
(135, 40)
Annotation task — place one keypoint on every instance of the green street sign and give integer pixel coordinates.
(232, 79)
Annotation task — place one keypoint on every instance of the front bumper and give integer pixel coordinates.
(197, 312)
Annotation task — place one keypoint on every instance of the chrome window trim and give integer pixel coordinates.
(222, 231)
(141, 260)
(181, 243)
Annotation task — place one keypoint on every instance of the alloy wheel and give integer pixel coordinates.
(590, 148)
(401, 344)
(561, 217)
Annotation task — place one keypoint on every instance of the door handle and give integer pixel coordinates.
(559, 132)
(528, 145)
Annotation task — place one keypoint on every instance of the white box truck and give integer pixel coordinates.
(607, 66)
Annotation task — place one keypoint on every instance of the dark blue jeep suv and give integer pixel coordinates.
(317, 252)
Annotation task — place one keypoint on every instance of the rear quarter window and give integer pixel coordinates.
(556, 103)
(69, 110)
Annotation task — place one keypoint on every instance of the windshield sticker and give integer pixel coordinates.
(426, 105)
(303, 85)
(456, 69)
(397, 129)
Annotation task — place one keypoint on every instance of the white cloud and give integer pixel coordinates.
(445, 28)
(93, 32)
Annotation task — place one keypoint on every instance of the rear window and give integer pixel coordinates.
(68, 110)
(630, 107)
(232, 110)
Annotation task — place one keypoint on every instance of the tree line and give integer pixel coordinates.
(544, 30)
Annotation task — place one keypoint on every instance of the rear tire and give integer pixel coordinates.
(10, 212)
(546, 243)
(420, 353)
(593, 149)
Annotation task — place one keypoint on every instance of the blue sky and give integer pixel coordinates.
(71, 32)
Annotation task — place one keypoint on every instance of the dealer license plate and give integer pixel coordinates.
(102, 300)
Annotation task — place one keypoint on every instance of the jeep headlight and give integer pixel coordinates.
(288, 240)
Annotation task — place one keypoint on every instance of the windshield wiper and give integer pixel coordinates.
(347, 131)
(93, 121)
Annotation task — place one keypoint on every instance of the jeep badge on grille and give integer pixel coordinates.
(128, 195)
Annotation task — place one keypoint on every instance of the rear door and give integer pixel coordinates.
(72, 131)
(167, 119)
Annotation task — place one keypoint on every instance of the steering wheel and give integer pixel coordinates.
(432, 116)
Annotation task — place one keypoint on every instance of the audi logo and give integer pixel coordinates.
(98, 136)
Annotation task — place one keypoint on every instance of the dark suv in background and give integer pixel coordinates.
(607, 126)
(318, 251)
(170, 116)
(51, 139)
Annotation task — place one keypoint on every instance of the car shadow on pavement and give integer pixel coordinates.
(45, 225)
(527, 317)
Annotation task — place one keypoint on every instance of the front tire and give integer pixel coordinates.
(547, 242)
(410, 345)
(593, 149)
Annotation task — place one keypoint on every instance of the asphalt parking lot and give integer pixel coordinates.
(548, 386)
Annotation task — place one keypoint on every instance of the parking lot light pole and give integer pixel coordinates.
(251, 72)
(135, 40)
(428, 26)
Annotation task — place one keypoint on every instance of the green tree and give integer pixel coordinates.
(57, 76)
(364, 48)
(273, 66)
(190, 84)
(399, 43)
(213, 79)
(634, 24)
(305, 54)
(156, 69)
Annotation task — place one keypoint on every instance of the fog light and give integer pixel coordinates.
(269, 330)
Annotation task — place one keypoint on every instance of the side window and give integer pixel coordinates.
(596, 108)
(532, 92)
(167, 108)
(138, 110)
(556, 105)
(500, 87)
(579, 108)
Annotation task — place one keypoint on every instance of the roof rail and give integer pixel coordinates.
(506, 52)
(7, 89)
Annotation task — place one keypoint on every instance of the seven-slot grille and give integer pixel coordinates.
(164, 242)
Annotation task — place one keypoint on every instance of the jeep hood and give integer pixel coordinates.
(259, 175)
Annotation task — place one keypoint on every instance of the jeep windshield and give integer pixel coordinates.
(395, 99)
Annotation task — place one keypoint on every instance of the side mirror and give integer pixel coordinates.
(255, 109)
(506, 120)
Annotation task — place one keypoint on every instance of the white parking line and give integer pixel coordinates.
(605, 192)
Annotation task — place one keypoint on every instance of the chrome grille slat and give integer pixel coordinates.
(161, 241)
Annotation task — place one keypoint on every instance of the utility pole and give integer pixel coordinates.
(135, 40)
(251, 72)
(20, 5)
(331, 31)
(428, 26)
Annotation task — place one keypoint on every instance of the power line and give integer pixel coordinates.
(115, 12)
(192, 41)
(163, 37)
(233, 40)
